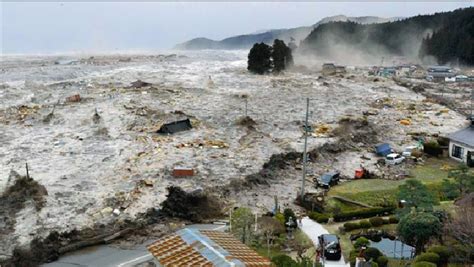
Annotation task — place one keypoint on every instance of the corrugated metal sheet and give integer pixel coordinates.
(192, 247)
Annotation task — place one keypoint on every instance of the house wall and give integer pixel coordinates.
(464, 154)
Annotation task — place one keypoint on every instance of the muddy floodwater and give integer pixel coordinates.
(88, 133)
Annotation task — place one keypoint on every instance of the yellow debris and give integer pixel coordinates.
(446, 167)
(405, 122)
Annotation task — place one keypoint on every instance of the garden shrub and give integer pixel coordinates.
(382, 261)
(281, 218)
(349, 226)
(376, 221)
(363, 213)
(365, 224)
(423, 264)
(319, 217)
(283, 260)
(393, 219)
(443, 252)
(432, 148)
(429, 257)
(361, 242)
(372, 253)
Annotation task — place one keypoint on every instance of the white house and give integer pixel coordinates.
(461, 145)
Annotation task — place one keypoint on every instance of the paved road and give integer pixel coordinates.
(313, 229)
(107, 255)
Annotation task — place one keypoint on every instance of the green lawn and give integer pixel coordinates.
(378, 191)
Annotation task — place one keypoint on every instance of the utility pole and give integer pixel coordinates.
(472, 105)
(305, 156)
(246, 103)
(27, 171)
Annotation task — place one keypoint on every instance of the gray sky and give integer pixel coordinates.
(117, 26)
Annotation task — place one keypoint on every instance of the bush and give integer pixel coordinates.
(372, 253)
(432, 148)
(365, 224)
(281, 218)
(442, 251)
(361, 242)
(393, 219)
(363, 213)
(283, 260)
(423, 264)
(351, 226)
(374, 264)
(319, 217)
(382, 261)
(386, 221)
(376, 221)
(429, 257)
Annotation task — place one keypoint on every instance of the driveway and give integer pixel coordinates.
(313, 229)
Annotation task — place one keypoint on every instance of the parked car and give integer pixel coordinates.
(329, 247)
(394, 159)
(328, 179)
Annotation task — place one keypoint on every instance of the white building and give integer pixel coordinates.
(461, 145)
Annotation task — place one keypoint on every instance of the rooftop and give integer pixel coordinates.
(465, 136)
(193, 247)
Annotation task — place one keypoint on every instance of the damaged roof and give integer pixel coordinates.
(465, 136)
(193, 247)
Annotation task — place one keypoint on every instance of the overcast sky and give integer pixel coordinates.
(115, 26)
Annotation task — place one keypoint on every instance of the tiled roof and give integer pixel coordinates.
(191, 247)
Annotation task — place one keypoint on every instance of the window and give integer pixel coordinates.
(457, 151)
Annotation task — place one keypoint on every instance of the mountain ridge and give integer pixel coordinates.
(245, 41)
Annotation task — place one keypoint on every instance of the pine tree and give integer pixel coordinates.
(259, 59)
(281, 55)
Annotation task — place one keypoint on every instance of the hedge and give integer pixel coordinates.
(376, 221)
(349, 226)
(393, 219)
(365, 224)
(423, 264)
(428, 256)
(372, 253)
(442, 251)
(319, 217)
(382, 261)
(362, 213)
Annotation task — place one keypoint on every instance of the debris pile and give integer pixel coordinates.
(195, 206)
(15, 198)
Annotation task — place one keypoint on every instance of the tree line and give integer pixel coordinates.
(452, 37)
(263, 58)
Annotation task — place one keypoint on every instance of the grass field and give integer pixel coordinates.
(377, 191)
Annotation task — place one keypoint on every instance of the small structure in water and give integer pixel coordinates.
(176, 126)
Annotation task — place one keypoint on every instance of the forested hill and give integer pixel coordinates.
(247, 40)
(448, 36)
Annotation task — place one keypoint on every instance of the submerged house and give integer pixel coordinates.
(439, 73)
(176, 126)
(461, 144)
(332, 69)
(194, 247)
